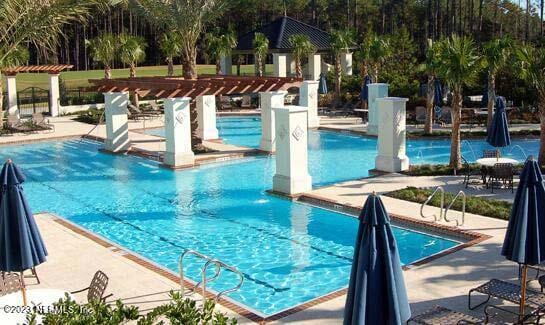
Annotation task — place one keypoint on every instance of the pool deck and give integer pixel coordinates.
(74, 255)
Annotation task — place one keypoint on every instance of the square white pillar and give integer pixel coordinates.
(54, 94)
(292, 175)
(279, 64)
(178, 133)
(206, 117)
(117, 125)
(392, 155)
(226, 64)
(308, 97)
(346, 63)
(11, 86)
(314, 66)
(268, 101)
(291, 64)
(376, 91)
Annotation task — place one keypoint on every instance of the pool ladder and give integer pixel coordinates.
(205, 279)
(443, 212)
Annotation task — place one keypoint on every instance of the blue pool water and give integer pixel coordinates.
(289, 252)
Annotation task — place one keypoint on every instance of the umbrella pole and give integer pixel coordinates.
(23, 289)
(523, 291)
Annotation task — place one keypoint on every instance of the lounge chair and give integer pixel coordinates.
(14, 124)
(38, 119)
(507, 291)
(225, 104)
(10, 283)
(246, 102)
(156, 108)
(136, 114)
(501, 174)
(97, 288)
(443, 316)
(445, 116)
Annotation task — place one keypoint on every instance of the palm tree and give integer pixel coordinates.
(220, 46)
(430, 66)
(497, 54)
(301, 47)
(531, 63)
(132, 50)
(459, 67)
(171, 46)
(39, 22)
(261, 48)
(104, 49)
(188, 18)
(340, 42)
(379, 51)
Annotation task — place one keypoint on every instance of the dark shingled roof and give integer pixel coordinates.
(279, 31)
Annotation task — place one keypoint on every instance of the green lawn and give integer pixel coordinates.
(74, 79)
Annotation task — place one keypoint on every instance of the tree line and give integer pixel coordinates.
(423, 19)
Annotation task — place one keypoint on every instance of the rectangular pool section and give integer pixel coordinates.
(289, 252)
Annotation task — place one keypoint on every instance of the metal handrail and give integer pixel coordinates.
(204, 277)
(435, 219)
(458, 223)
(221, 266)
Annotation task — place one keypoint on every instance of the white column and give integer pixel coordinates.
(346, 63)
(268, 101)
(314, 66)
(375, 91)
(292, 175)
(291, 64)
(279, 64)
(11, 85)
(391, 135)
(54, 93)
(117, 126)
(226, 64)
(206, 117)
(308, 97)
(178, 133)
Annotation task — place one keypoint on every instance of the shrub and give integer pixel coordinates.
(91, 116)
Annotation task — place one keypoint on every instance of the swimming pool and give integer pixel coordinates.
(246, 131)
(289, 252)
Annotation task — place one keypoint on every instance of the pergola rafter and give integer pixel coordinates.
(169, 87)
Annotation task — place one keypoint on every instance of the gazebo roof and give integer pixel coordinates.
(279, 31)
(169, 87)
(49, 68)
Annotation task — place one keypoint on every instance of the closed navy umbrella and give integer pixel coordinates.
(437, 93)
(322, 85)
(524, 241)
(376, 293)
(364, 94)
(498, 132)
(21, 245)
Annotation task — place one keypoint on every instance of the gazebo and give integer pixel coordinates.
(278, 33)
(52, 69)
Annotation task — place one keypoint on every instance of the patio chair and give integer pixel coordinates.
(507, 291)
(470, 172)
(501, 174)
(246, 102)
(97, 288)
(225, 104)
(420, 115)
(491, 154)
(39, 120)
(10, 283)
(445, 117)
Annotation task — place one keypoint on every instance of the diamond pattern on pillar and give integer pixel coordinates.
(298, 133)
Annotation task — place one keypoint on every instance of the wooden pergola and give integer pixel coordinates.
(170, 87)
(48, 68)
